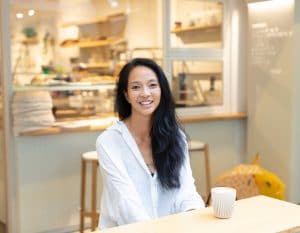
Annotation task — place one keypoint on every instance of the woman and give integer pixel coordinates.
(144, 156)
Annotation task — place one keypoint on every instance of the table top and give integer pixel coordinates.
(256, 214)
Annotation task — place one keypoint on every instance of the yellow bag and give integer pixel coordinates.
(251, 179)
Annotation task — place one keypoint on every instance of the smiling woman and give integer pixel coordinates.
(144, 157)
(143, 92)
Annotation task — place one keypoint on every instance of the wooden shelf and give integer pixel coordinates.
(195, 28)
(213, 117)
(28, 41)
(94, 43)
(98, 65)
(100, 19)
(58, 129)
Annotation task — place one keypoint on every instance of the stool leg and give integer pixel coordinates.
(207, 168)
(82, 195)
(94, 194)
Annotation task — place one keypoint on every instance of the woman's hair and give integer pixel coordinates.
(166, 133)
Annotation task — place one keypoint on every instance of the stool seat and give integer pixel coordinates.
(196, 145)
(91, 155)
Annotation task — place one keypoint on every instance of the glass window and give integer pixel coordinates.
(75, 49)
(197, 83)
(196, 23)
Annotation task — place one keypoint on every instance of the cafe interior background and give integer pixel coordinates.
(232, 66)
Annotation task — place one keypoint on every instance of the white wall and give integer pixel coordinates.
(49, 170)
(49, 180)
(2, 178)
(295, 173)
(2, 161)
(271, 85)
(3, 187)
(227, 147)
(143, 24)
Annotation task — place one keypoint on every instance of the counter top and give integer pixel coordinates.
(102, 123)
(258, 214)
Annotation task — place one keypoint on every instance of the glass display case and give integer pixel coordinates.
(89, 95)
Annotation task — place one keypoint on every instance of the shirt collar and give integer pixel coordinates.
(128, 138)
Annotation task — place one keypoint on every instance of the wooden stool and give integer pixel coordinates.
(195, 146)
(92, 158)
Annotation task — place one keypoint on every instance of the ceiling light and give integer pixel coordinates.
(31, 12)
(19, 15)
(113, 3)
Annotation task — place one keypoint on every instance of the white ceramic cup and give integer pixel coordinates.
(223, 199)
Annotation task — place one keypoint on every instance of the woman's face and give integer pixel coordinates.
(143, 92)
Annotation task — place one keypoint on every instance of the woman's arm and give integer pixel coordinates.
(125, 201)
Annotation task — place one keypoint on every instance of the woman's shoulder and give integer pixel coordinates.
(182, 134)
(112, 133)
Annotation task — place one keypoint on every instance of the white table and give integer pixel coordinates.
(254, 215)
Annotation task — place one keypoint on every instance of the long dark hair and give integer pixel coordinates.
(166, 136)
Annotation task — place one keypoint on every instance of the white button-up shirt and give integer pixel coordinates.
(130, 193)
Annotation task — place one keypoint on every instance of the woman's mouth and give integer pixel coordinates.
(146, 103)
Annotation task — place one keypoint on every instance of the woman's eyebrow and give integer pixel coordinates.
(153, 80)
(134, 82)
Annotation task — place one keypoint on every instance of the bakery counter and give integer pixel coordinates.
(100, 124)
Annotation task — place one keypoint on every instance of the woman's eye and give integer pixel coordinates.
(135, 87)
(152, 85)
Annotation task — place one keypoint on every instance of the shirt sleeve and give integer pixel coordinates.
(125, 201)
(187, 197)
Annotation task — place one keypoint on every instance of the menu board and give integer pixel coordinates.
(270, 35)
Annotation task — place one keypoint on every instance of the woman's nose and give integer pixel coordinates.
(145, 91)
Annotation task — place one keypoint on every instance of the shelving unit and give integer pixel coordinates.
(105, 34)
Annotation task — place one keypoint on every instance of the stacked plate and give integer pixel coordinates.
(32, 110)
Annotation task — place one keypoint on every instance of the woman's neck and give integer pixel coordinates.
(139, 126)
